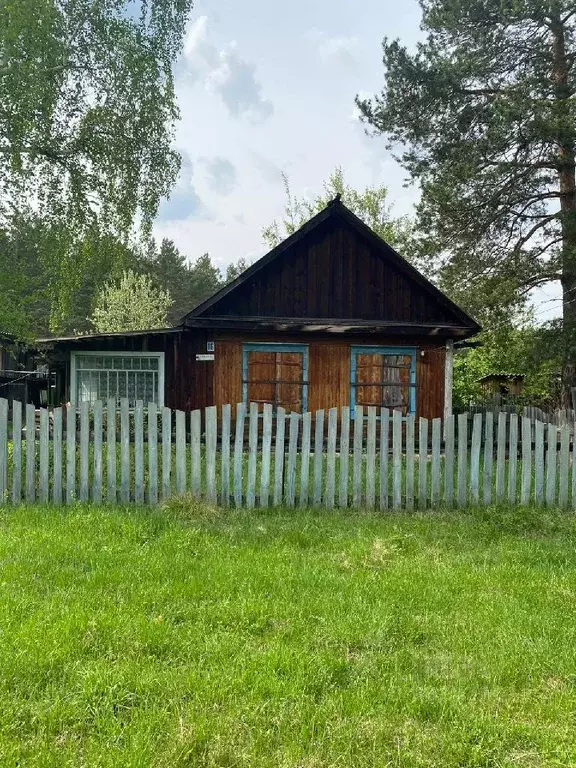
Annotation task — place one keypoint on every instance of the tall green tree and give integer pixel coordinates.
(132, 303)
(87, 115)
(484, 116)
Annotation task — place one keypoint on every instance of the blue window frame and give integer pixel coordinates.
(276, 374)
(384, 377)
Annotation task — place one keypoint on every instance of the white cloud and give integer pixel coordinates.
(225, 73)
(339, 51)
(221, 175)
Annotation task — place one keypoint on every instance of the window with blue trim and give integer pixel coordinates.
(384, 377)
(276, 374)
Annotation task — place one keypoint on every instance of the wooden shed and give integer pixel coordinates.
(332, 316)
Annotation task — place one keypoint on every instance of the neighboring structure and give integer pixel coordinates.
(332, 316)
(17, 379)
(503, 384)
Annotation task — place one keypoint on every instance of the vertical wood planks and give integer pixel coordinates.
(501, 457)
(211, 445)
(152, 423)
(539, 463)
(292, 456)
(267, 454)
(225, 456)
(526, 461)
(410, 460)
(239, 453)
(196, 452)
(488, 457)
(396, 459)
(436, 444)
(475, 458)
(384, 451)
(44, 484)
(180, 417)
(331, 458)
(279, 455)
(252, 456)
(124, 451)
(357, 457)
(513, 458)
(371, 459)
(17, 453)
(139, 452)
(551, 465)
(97, 468)
(84, 451)
(3, 450)
(70, 453)
(110, 451)
(449, 461)
(564, 466)
(344, 455)
(462, 459)
(423, 463)
(166, 453)
(318, 457)
(305, 460)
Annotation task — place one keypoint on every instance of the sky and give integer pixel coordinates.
(266, 88)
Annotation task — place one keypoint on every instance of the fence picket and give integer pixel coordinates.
(500, 457)
(266, 455)
(318, 457)
(17, 453)
(396, 459)
(211, 445)
(564, 466)
(384, 452)
(43, 486)
(449, 461)
(371, 459)
(410, 460)
(196, 453)
(292, 455)
(539, 463)
(239, 453)
(526, 461)
(423, 463)
(152, 423)
(552, 435)
(139, 452)
(97, 467)
(252, 455)
(166, 453)
(475, 458)
(305, 460)
(225, 456)
(357, 457)
(331, 458)
(70, 454)
(180, 418)
(462, 459)
(84, 450)
(344, 455)
(279, 456)
(3, 450)
(513, 458)
(110, 449)
(124, 451)
(436, 443)
(488, 458)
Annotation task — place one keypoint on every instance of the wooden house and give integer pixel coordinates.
(503, 384)
(332, 316)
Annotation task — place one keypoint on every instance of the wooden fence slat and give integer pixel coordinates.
(423, 463)
(449, 461)
(410, 460)
(239, 453)
(513, 458)
(166, 453)
(501, 457)
(526, 461)
(124, 451)
(252, 455)
(564, 466)
(3, 450)
(331, 458)
(475, 458)
(344, 464)
(396, 459)
(44, 484)
(436, 444)
(97, 466)
(279, 455)
(267, 454)
(488, 458)
(17, 453)
(110, 450)
(357, 457)
(196, 452)
(318, 457)
(70, 454)
(539, 463)
(152, 424)
(211, 445)
(384, 451)
(181, 469)
(371, 459)
(139, 452)
(225, 456)
(84, 451)
(305, 460)
(552, 435)
(462, 459)
(292, 456)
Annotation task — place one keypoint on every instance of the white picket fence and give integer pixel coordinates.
(252, 456)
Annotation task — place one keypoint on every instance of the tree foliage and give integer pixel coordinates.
(132, 303)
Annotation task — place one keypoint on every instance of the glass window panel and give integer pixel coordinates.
(99, 377)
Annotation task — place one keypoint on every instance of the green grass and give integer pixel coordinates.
(195, 638)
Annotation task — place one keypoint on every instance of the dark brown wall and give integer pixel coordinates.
(333, 273)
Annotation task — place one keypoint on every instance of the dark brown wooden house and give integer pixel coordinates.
(332, 316)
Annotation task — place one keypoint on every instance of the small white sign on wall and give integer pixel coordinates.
(204, 358)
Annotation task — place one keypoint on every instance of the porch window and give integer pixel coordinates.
(384, 377)
(276, 374)
(103, 375)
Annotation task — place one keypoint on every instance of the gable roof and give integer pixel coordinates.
(337, 209)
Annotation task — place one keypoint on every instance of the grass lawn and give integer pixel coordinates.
(181, 638)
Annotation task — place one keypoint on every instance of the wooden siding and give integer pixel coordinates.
(333, 273)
